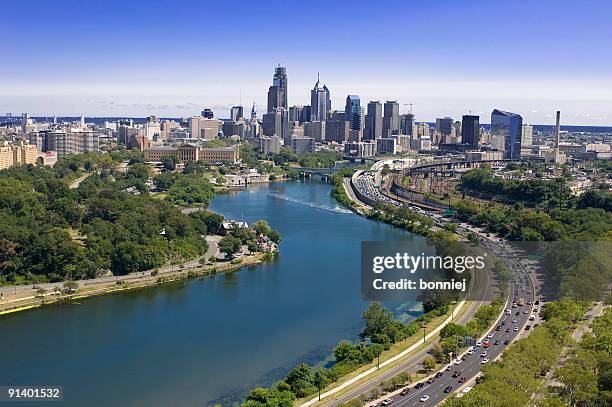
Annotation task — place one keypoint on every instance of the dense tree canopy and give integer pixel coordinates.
(50, 232)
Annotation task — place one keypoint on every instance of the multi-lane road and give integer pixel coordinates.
(455, 379)
(461, 373)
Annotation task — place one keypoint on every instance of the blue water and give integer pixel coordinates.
(209, 340)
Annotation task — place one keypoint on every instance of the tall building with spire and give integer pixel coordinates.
(277, 94)
(320, 103)
(254, 129)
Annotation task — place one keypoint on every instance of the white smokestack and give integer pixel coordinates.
(557, 129)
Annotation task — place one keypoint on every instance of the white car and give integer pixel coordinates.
(457, 361)
(485, 360)
(514, 321)
(483, 354)
(515, 328)
(490, 335)
(467, 389)
(425, 398)
(470, 352)
(478, 344)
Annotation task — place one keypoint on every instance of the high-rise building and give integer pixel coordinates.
(508, 127)
(271, 145)
(277, 123)
(236, 113)
(277, 93)
(204, 128)
(407, 123)
(444, 125)
(301, 145)
(386, 145)
(352, 112)
(254, 127)
(316, 130)
(73, 141)
(527, 135)
(295, 113)
(373, 121)
(470, 130)
(320, 103)
(207, 114)
(390, 121)
(336, 130)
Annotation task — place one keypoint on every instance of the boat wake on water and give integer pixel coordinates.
(335, 209)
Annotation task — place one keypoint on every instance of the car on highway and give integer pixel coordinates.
(419, 385)
(515, 328)
(405, 391)
(438, 375)
(424, 398)
(457, 373)
(485, 360)
(527, 327)
(478, 344)
(496, 342)
(448, 389)
(462, 380)
(506, 342)
(507, 330)
(449, 367)
(458, 361)
(430, 380)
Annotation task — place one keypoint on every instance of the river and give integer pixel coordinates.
(210, 340)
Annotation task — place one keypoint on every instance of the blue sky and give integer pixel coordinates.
(136, 58)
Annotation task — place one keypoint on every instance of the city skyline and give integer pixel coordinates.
(155, 62)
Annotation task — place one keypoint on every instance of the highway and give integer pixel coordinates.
(413, 364)
(523, 285)
(469, 368)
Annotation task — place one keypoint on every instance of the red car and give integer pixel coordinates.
(486, 344)
(462, 380)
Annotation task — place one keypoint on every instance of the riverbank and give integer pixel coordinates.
(143, 281)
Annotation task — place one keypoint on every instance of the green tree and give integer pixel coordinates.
(301, 380)
(376, 319)
(229, 245)
(320, 380)
(429, 364)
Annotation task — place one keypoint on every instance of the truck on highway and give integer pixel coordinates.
(521, 302)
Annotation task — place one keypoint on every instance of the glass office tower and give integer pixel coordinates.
(508, 127)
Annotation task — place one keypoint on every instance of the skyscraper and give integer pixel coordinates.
(444, 125)
(508, 127)
(407, 123)
(352, 112)
(527, 135)
(320, 103)
(390, 121)
(277, 94)
(373, 121)
(277, 123)
(470, 130)
(236, 113)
